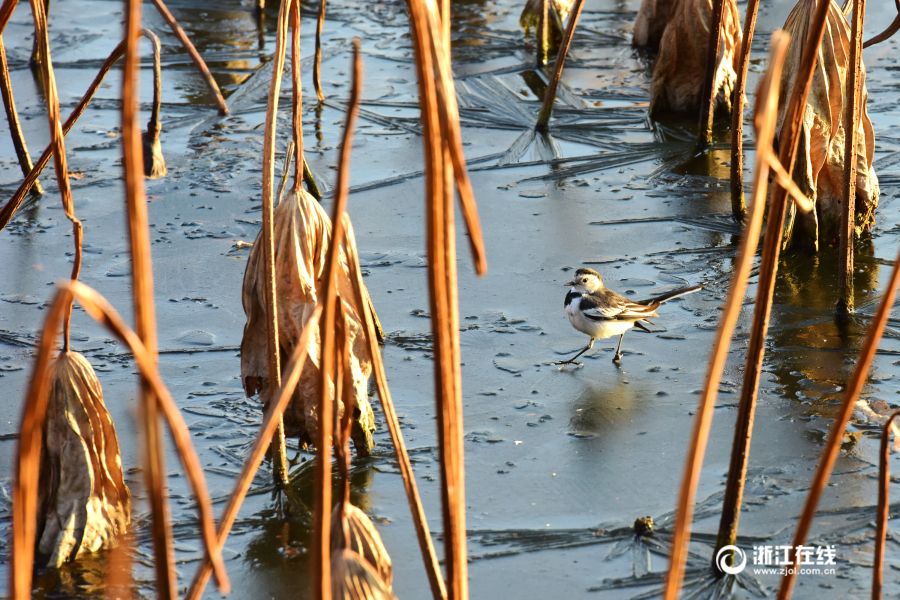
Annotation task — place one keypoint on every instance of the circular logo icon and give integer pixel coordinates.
(738, 562)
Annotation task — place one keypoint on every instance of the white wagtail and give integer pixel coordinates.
(601, 313)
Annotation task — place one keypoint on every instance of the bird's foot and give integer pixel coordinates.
(563, 363)
(617, 358)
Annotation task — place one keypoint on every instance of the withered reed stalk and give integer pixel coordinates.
(35, 412)
(317, 62)
(6, 11)
(765, 117)
(543, 122)
(839, 427)
(192, 52)
(882, 514)
(738, 209)
(57, 141)
(144, 311)
(12, 117)
(708, 98)
(423, 533)
(322, 521)
(267, 431)
(543, 34)
(768, 270)
(851, 116)
(15, 202)
(279, 452)
(297, 97)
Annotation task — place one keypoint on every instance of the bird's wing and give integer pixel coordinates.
(608, 306)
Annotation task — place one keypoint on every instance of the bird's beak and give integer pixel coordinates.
(569, 284)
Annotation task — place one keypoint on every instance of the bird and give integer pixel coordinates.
(601, 313)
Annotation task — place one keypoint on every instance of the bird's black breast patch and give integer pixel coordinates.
(570, 297)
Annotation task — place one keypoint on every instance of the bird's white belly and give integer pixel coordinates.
(599, 330)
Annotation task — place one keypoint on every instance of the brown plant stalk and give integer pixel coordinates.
(6, 11)
(12, 117)
(708, 99)
(766, 114)
(543, 122)
(15, 202)
(852, 113)
(267, 431)
(317, 62)
(839, 427)
(322, 522)
(737, 112)
(192, 52)
(768, 269)
(889, 31)
(144, 312)
(279, 453)
(423, 533)
(882, 514)
(35, 412)
(57, 141)
(297, 96)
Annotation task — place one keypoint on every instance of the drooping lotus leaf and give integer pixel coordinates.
(362, 538)
(651, 22)
(352, 578)
(302, 237)
(83, 501)
(680, 70)
(819, 170)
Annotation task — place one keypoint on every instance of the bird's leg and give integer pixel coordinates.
(617, 357)
(571, 361)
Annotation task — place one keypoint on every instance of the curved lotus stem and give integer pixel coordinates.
(883, 512)
(13, 204)
(192, 52)
(543, 122)
(317, 64)
(12, 117)
(890, 31)
(34, 415)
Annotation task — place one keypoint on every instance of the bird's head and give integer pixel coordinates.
(586, 281)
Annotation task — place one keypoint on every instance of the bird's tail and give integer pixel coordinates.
(671, 295)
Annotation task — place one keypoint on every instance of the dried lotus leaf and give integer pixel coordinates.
(84, 502)
(353, 579)
(362, 538)
(680, 71)
(651, 22)
(819, 170)
(558, 11)
(302, 233)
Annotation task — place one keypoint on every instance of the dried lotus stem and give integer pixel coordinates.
(297, 96)
(144, 312)
(322, 521)
(708, 97)
(426, 545)
(6, 11)
(279, 453)
(192, 52)
(851, 116)
(737, 112)
(57, 141)
(12, 205)
(839, 427)
(317, 63)
(34, 414)
(766, 114)
(154, 163)
(891, 29)
(543, 34)
(882, 514)
(543, 122)
(267, 431)
(12, 117)
(768, 269)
